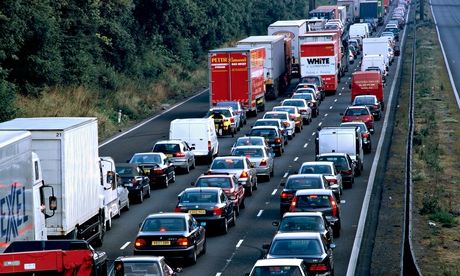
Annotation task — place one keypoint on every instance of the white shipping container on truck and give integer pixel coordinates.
(68, 150)
(377, 46)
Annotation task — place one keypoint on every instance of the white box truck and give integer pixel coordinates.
(291, 29)
(22, 216)
(378, 46)
(274, 65)
(341, 140)
(68, 151)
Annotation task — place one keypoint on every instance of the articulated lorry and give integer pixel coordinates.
(371, 10)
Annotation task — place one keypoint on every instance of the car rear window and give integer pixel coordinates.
(294, 103)
(340, 162)
(310, 169)
(248, 152)
(267, 133)
(220, 182)
(166, 148)
(219, 164)
(141, 268)
(275, 116)
(273, 270)
(228, 104)
(146, 159)
(290, 110)
(163, 224)
(296, 247)
(313, 201)
(364, 100)
(199, 197)
(299, 183)
(266, 123)
(301, 223)
(356, 112)
(249, 141)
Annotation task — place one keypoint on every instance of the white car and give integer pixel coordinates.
(284, 117)
(280, 267)
(302, 105)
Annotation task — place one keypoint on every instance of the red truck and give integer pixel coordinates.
(54, 257)
(386, 5)
(321, 58)
(237, 74)
(367, 83)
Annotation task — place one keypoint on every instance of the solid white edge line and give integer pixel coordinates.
(296, 158)
(260, 213)
(370, 183)
(239, 243)
(274, 192)
(150, 119)
(445, 59)
(125, 245)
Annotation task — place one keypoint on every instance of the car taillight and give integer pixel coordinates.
(345, 119)
(182, 242)
(209, 145)
(278, 140)
(263, 162)
(334, 206)
(365, 135)
(347, 172)
(139, 243)
(292, 116)
(244, 174)
(376, 106)
(232, 120)
(285, 195)
(217, 211)
(332, 181)
(158, 171)
(303, 110)
(179, 154)
(177, 209)
(318, 267)
(285, 123)
(293, 204)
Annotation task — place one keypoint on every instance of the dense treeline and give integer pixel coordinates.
(105, 46)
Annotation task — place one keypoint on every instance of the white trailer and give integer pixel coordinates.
(68, 150)
(291, 29)
(22, 216)
(275, 64)
(378, 46)
(343, 15)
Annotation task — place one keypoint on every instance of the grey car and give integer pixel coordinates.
(261, 158)
(250, 141)
(178, 152)
(123, 195)
(274, 122)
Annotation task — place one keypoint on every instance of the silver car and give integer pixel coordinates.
(302, 105)
(328, 170)
(178, 152)
(274, 122)
(288, 123)
(123, 195)
(261, 158)
(250, 141)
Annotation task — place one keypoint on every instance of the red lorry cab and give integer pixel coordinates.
(237, 74)
(367, 83)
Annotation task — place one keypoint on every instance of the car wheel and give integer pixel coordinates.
(248, 191)
(192, 259)
(224, 229)
(243, 204)
(193, 164)
(173, 178)
(233, 223)
(237, 209)
(141, 196)
(127, 205)
(166, 183)
(273, 171)
(148, 192)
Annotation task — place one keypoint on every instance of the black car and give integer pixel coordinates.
(172, 235)
(209, 206)
(273, 135)
(344, 165)
(314, 222)
(318, 200)
(157, 166)
(299, 182)
(309, 247)
(135, 180)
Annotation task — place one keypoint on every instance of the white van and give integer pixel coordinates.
(359, 30)
(341, 140)
(199, 133)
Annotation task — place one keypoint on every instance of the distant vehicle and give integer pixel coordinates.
(237, 108)
(276, 123)
(144, 265)
(250, 141)
(261, 158)
(123, 195)
(178, 152)
(288, 123)
(359, 113)
(344, 165)
(135, 180)
(225, 120)
(172, 235)
(365, 133)
(371, 102)
(328, 170)
(310, 99)
(157, 167)
(294, 115)
(273, 135)
(302, 105)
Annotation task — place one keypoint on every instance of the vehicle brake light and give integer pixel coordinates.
(332, 181)
(293, 204)
(182, 241)
(263, 162)
(334, 206)
(376, 106)
(158, 171)
(318, 267)
(139, 243)
(347, 172)
(366, 135)
(217, 211)
(177, 210)
(244, 174)
(285, 195)
(286, 124)
(179, 154)
(278, 140)
(292, 116)
(232, 120)
(209, 146)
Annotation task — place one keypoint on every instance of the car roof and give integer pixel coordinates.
(139, 258)
(302, 214)
(291, 235)
(169, 141)
(268, 119)
(357, 107)
(229, 157)
(149, 153)
(126, 164)
(168, 215)
(279, 262)
(352, 123)
(313, 192)
(333, 154)
(317, 163)
(251, 137)
(262, 127)
(250, 147)
(203, 189)
(305, 175)
(274, 112)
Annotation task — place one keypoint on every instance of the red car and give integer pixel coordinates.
(228, 183)
(359, 113)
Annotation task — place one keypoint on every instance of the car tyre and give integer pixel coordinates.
(233, 223)
(193, 164)
(141, 196)
(243, 204)
(173, 178)
(187, 168)
(224, 226)
(148, 192)
(192, 259)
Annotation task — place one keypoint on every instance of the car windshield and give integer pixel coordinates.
(267, 133)
(273, 270)
(163, 224)
(166, 148)
(146, 159)
(220, 182)
(340, 162)
(198, 197)
(364, 101)
(233, 105)
(299, 183)
(356, 112)
(248, 152)
(248, 141)
(321, 169)
(294, 103)
(296, 247)
(280, 116)
(127, 171)
(266, 123)
(301, 223)
(313, 201)
(222, 164)
(141, 268)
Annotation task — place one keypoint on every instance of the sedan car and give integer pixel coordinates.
(135, 180)
(172, 235)
(260, 158)
(288, 123)
(314, 222)
(240, 166)
(344, 165)
(178, 152)
(250, 141)
(302, 105)
(277, 267)
(365, 134)
(372, 103)
(309, 247)
(318, 200)
(359, 113)
(299, 182)
(294, 115)
(273, 135)
(143, 265)
(238, 109)
(209, 206)
(157, 166)
(228, 183)
(310, 85)
(328, 170)
(394, 30)
(311, 101)
(273, 122)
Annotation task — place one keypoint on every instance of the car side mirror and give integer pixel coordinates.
(192, 148)
(266, 246)
(276, 223)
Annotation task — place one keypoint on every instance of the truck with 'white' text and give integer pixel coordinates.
(22, 199)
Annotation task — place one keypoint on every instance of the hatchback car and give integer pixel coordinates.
(273, 135)
(311, 101)
(260, 158)
(328, 170)
(344, 165)
(178, 152)
(224, 120)
(172, 235)
(238, 109)
(210, 206)
(250, 141)
(276, 123)
(228, 183)
(299, 182)
(318, 200)
(372, 103)
(157, 166)
(288, 123)
(294, 115)
(365, 134)
(359, 113)
(143, 265)
(394, 30)
(279, 267)
(135, 180)
(240, 166)
(309, 247)
(302, 105)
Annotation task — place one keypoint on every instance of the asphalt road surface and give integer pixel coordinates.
(236, 252)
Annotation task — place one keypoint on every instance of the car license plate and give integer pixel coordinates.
(169, 155)
(156, 243)
(197, 212)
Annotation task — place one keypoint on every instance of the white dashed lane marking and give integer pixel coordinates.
(296, 158)
(306, 145)
(274, 192)
(260, 213)
(285, 175)
(330, 107)
(335, 100)
(125, 245)
(320, 124)
(239, 243)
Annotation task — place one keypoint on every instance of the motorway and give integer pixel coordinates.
(236, 252)
(447, 15)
